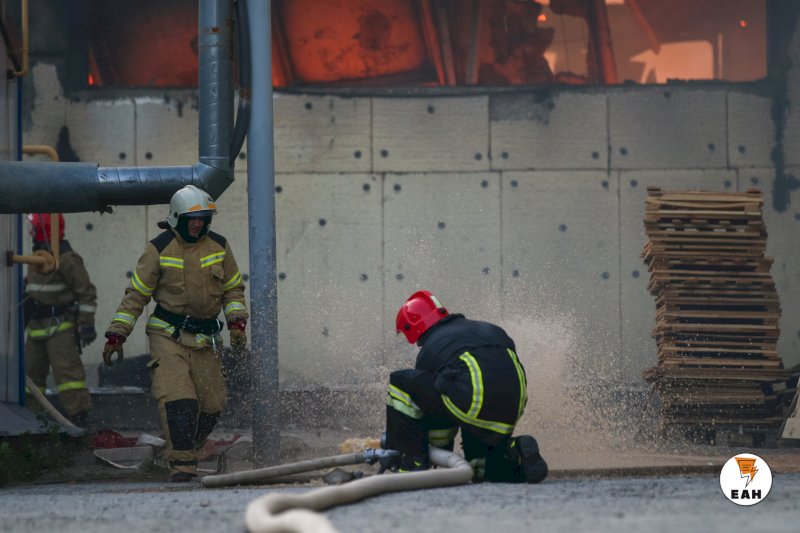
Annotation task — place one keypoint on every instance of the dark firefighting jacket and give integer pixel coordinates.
(479, 376)
(194, 280)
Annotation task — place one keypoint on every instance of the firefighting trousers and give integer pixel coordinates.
(191, 392)
(59, 351)
(483, 395)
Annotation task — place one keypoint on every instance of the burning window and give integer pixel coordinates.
(397, 43)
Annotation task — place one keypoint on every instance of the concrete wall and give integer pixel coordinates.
(520, 208)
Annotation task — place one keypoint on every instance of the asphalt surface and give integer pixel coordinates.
(692, 503)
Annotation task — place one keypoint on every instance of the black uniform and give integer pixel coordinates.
(467, 376)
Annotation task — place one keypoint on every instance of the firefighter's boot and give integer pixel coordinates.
(182, 420)
(525, 451)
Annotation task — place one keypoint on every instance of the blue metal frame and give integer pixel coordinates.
(20, 292)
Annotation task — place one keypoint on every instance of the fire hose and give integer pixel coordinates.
(295, 512)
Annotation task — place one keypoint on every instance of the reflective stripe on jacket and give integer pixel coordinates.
(198, 280)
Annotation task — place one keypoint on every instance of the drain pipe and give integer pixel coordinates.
(81, 187)
(281, 512)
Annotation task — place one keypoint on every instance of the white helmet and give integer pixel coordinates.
(190, 201)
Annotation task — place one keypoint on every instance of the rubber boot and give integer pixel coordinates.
(525, 451)
(182, 417)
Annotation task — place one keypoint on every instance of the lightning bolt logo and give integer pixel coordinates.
(747, 468)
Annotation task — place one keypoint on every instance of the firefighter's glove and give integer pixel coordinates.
(238, 335)
(113, 345)
(86, 334)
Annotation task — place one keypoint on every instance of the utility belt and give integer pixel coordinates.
(204, 326)
(37, 310)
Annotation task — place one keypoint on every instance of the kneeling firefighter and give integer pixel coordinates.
(192, 275)
(467, 376)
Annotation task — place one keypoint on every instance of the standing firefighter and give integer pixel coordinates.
(59, 312)
(192, 275)
(468, 377)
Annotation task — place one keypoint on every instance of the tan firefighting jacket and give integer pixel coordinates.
(69, 285)
(197, 280)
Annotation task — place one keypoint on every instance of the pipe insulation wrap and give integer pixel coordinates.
(215, 83)
(33, 187)
(48, 187)
(260, 516)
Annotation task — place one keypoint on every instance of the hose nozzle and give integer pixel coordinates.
(387, 459)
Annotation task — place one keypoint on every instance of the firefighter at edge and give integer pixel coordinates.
(467, 376)
(59, 312)
(191, 273)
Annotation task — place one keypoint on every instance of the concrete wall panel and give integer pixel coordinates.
(430, 134)
(560, 262)
(784, 246)
(321, 134)
(330, 289)
(667, 128)
(562, 130)
(49, 109)
(110, 245)
(638, 306)
(442, 234)
(166, 131)
(102, 131)
(751, 132)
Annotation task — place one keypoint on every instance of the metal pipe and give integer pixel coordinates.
(290, 512)
(215, 84)
(43, 149)
(25, 42)
(79, 187)
(261, 215)
(243, 111)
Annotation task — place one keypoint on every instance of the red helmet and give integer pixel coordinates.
(421, 311)
(41, 226)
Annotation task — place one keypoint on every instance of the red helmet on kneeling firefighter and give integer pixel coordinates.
(418, 314)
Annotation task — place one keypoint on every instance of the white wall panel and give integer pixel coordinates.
(442, 234)
(321, 134)
(430, 134)
(561, 265)
(102, 131)
(667, 128)
(231, 222)
(110, 245)
(166, 131)
(562, 130)
(49, 109)
(638, 306)
(330, 289)
(784, 246)
(751, 132)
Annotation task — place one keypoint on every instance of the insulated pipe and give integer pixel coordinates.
(263, 475)
(243, 112)
(291, 512)
(32, 187)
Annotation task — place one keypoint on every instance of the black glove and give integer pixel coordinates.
(86, 334)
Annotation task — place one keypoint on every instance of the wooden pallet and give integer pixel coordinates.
(717, 310)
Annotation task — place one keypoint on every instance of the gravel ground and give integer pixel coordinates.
(633, 504)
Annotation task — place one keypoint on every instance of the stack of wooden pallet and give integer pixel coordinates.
(717, 310)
